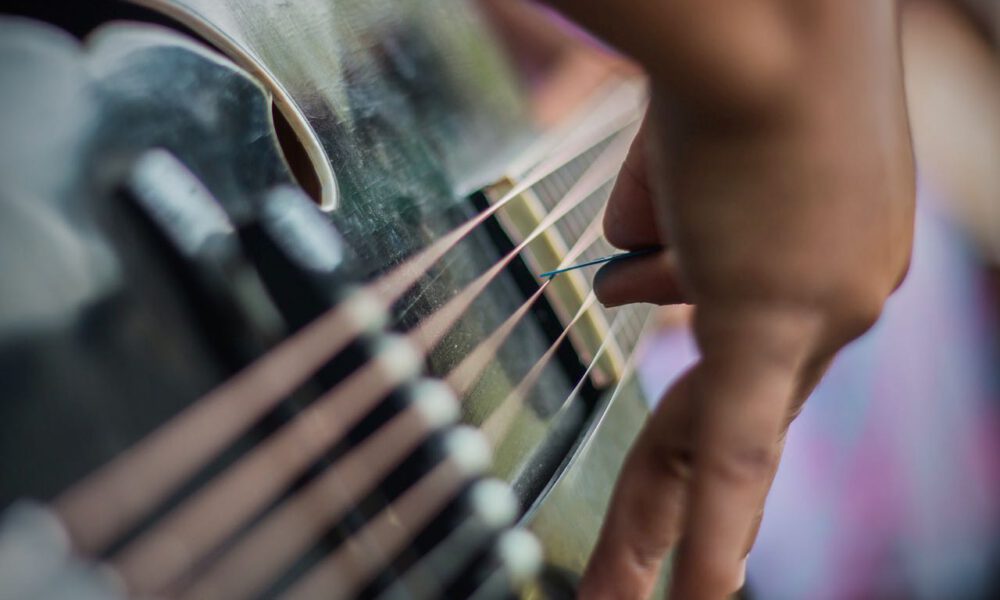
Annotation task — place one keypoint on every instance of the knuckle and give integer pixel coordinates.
(858, 308)
(644, 556)
(673, 462)
(742, 464)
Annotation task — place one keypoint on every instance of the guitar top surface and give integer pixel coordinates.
(157, 238)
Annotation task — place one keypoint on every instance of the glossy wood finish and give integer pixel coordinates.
(403, 109)
(414, 107)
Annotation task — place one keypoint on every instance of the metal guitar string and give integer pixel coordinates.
(160, 565)
(394, 284)
(489, 587)
(136, 556)
(106, 503)
(343, 573)
(257, 558)
(242, 490)
(267, 557)
(182, 445)
(151, 562)
(258, 543)
(613, 331)
(177, 449)
(466, 374)
(432, 328)
(507, 410)
(347, 569)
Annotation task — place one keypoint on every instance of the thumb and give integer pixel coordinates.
(647, 278)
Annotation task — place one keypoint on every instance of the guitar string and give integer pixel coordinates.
(497, 428)
(107, 502)
(269, 538)
(432, 328)
(343, 573)
(323, 577)
(466, 374)
(347, 484)
(497, 423)
(282, 536)
(371, 550)
(221, 506)
(397, 281)
(193, 549)
(153, 560)
(136, 561)
(258, 557)
(259, 543)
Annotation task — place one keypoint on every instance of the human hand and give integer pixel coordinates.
(787, 236)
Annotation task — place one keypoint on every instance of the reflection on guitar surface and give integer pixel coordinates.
(270, 323)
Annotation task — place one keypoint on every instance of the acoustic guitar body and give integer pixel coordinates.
(252, 249)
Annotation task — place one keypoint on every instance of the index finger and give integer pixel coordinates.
(630, 220)
(743, 389)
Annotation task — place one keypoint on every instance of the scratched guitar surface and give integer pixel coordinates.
(405, 110)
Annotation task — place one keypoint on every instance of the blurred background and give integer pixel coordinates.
(890, 484)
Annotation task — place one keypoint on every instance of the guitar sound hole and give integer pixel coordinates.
(296, 156)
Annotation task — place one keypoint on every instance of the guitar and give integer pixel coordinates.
(256, 266)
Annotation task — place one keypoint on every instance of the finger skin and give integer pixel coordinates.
(700, 469)
(786, 184)
(644, 519)
(651, 278)
(743, 391)
(630, 219)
